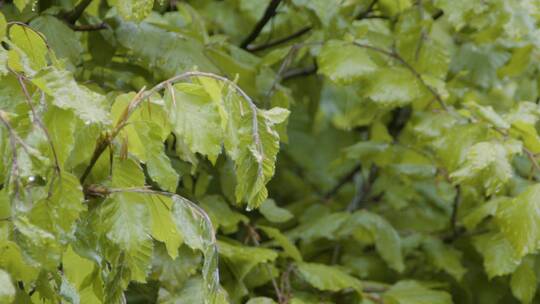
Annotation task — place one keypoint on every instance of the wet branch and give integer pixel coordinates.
(268, 14)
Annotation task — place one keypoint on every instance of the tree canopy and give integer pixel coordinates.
(269, 151)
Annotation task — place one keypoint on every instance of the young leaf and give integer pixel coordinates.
(411, 292)
(330, 278)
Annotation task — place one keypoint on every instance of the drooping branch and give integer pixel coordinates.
(268, 14)
(142, 95)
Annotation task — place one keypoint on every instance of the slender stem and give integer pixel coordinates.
(268, 14)
(39, 122)
(255, 238)
(300, 32)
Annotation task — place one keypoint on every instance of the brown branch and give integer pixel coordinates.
(300, 72)
(106, 140)
(438, 15)
(368, 10)
(90, 27)
(397, 57)
(455, 209)
(74, 15)
(279, 41)
(268, 14)
(342, 182)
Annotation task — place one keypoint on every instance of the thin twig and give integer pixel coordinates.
(300, 72)
(106, 140)
(368, 10)
(397, 57)
(255, 237)
(268, 14)
(286, 62)
(74, 15)
(455, 210)
(90, 27)
(532, 159)
(342, 182)
(300, 32)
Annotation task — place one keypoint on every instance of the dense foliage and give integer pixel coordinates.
(139, 144)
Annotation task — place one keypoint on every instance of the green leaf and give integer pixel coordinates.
(196, 227)
(518, 63)
(256, 152)
(195, 119)
(60, 124)
(519, 220)
(499, 256)
(66, 93)
(486, 163)
(445, 257)
(344, 63)
(59, 212)
(325, 226)
(273, 213)
(31, 44)
(261, 300)
(411, 292)
(168, 52)
(3, 26)
(523, 281)
(63, 40)
(12, 260)
(329, 278)
(221, 214)
(387, 240)
(282, 240)
(126, 224)
(393, 87)
(477, 215)
(134, 10)
(242, 259)
(7, 290)
(144, 135)
(162, 227)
